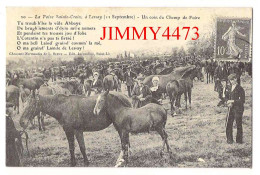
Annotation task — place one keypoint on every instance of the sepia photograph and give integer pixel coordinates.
(129, 87)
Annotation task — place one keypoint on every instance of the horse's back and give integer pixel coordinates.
(146, 118)
(77, 112)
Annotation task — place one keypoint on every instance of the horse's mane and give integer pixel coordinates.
(184, 72)
(122, 98)
(187, 73)
(165, 71)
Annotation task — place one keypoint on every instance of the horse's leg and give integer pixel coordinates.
(42, 121)
(33, 92)
(177, 100)
(185, 97)
(166, 141)
(71, 140)
(125, 146)
(172, 105)
(161, 133)
(80, 139)
(189, 94)
(207, 77)
(123, 157)
(39, 121)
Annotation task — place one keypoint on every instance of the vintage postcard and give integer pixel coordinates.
(129, 87)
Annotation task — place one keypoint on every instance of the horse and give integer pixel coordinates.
(126, 120)
(12, 96)
(174, 75)
(111, 82)
(176, 88)
(74, 113)
(32, 84)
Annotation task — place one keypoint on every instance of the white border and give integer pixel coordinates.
(134, 3)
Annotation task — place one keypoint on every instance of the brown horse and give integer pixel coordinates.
(164, 79)
(31, 83)
(176, 88)
(151, 117)
(75, 115)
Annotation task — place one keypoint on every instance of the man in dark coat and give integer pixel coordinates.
(236, 108)
(141, 94)
(129, 79)
(220, 75)
(12, 156)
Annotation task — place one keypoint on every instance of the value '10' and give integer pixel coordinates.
(221, 50)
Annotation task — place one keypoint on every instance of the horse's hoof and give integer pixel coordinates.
(120, 163)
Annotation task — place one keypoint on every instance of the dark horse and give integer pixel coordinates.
(176, 88)
(74, 113)
(151, 117)
(174, 75)
(32, 84)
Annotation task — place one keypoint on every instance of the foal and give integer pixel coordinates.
(151, 117)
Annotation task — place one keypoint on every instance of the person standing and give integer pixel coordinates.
(12, 155)
(220, 75)
(129, 79)
(140, 94)
(236, 108)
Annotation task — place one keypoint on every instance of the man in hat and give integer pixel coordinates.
(140, 94)
(220, 79)
(236, 108)
(129, 79)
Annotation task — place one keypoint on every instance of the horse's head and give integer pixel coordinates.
(30, 111)
(101, 103)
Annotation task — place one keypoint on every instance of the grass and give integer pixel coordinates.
(198, 132)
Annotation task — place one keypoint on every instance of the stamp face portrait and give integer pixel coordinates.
(233, 39)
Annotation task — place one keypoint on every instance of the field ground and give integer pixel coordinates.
(197, 138)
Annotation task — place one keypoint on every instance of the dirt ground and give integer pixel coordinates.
(196, 136)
